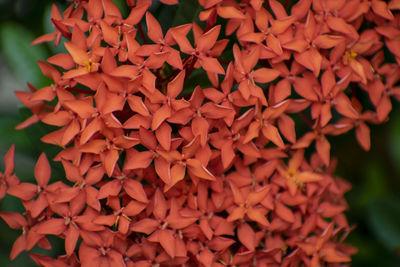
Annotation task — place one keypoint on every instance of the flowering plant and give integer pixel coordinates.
(206, 144)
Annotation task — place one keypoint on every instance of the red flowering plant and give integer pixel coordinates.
(206, 144)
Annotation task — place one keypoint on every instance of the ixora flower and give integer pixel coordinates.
(163, 170)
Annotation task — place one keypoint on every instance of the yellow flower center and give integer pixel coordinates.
(353, 54)
(88, 65)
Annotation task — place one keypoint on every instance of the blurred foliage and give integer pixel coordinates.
(187, 12)
(19, 54)
(374, 204)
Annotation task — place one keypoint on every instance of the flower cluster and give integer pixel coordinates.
(162, 173)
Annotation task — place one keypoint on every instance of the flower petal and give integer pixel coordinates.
(135, 190)
(247, 236)
(159, 116)
(175, 86)
(13, 219)
(137, 160)
(265, 75)
(24, 191)
(196, 167)
(167, 241)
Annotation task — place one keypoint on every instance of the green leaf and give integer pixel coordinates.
(374, 184)
(370, 252)
(163, 13)
(19, 55)
(8, 135)
(394, 144)
(384, 218)
(123, 8)
(187, 12)
(197, 78)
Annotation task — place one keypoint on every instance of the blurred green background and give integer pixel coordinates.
(374, 200)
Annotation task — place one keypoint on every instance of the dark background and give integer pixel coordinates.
(374, 201)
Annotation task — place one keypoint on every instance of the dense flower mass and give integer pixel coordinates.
(162, 171)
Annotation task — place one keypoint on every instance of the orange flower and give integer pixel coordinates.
(247, 78)
(37, 197)
(167, 164)
(7, 178)
(162, 44)
(205, 43)
(294, 178)
(99, 248)
(247, 205)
